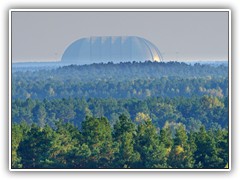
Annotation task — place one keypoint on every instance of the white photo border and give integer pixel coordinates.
(120, 10)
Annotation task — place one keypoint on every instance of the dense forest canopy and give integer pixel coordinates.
(126, 115)
(124, 80)
(126, 145)
(192, 112)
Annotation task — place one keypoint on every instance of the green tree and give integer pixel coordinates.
(34, 149)
(207, 155)
(152, 152)
(222, 142)
(67, 139)
(181, 155)
(123, 133)
(78, 156)
(97, 135)
(166, 138)
(17, 135)
(40, 114)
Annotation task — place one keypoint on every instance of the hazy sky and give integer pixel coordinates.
(43, 36)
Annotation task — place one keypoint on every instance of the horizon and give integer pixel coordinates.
(59, 61)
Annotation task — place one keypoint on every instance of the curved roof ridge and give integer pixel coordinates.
(157, 50)
(149, 49)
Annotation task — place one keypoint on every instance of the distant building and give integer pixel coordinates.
(110, 48)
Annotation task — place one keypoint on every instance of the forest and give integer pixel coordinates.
(126, 115)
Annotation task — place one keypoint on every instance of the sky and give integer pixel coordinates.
(179, 36)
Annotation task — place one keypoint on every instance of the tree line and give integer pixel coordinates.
(125, 145)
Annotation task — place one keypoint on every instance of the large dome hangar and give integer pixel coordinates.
(110, 48)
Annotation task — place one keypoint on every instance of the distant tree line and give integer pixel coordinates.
(164, 87)
(124, 80)
(126, 71)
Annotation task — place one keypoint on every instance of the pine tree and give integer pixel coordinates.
(67, 139)
(152, 152)
(97, 135)
(123, 133)
(207, 153)
(34, 150)
(180, 155)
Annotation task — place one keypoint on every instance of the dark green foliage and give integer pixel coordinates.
(213, 114)
(66, 139)
(34, 149)
(152, 151)
(98, 136)
(97, 145)
(181, 155)
(124, 133)
(207, 152)
(19, 131)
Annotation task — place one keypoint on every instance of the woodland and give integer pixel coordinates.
(139, 115)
